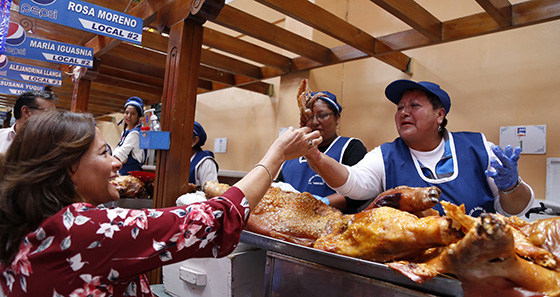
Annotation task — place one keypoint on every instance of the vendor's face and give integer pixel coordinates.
(324, 121)
(416, 118)
(93, 172)
(131, 116)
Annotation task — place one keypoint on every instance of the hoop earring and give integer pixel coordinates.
(439, 128)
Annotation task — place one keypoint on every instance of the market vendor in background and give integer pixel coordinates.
(467, 168)
(128, 151)
(27, 105)
(325, 118)
(203, 165)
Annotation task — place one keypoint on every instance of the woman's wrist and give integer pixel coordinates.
(314, 156)
(514, 188)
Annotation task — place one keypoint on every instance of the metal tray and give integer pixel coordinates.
(439, 285)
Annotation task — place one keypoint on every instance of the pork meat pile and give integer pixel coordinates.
(491, 255)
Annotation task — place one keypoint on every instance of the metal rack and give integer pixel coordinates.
(332, 271)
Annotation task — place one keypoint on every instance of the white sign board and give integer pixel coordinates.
(220, 145)
(531, 139)
(553, 179)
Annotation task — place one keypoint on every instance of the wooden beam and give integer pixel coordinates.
(247, 50)
(414, 15)
(134, 66)
(130, 85)
(219, 61)
(328, 23)
(523, 14)
(324, 21)
(245, 23)
(499, 10)
(216, 75)
(258, 87)
(132, 76)
(226, 43)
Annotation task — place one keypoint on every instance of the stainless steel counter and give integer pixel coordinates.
(440, 286)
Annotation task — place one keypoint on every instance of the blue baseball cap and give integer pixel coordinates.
(395, 90)
(199, 131)
(329, 98)
(135, 101)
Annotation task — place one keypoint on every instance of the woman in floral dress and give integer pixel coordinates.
(55, 241)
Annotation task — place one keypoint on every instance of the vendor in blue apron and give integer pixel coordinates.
(325, 119)
(468, 169)
(203, 165)
(128, 150)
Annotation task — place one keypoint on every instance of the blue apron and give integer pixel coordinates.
(467, 186)
(197, 160)
(297, 172)
(131, 164)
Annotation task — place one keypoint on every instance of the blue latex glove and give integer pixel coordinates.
(505, 174)
(322, 199)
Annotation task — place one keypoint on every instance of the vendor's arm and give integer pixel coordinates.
(515, 196)
(334, 173)
(131, 141)
(518, 201)
(207, 171)
(361, 182)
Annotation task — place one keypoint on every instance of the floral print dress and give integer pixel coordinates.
(100, 252)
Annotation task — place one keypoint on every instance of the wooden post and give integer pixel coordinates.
(179, 104)
(80, 94)
(178, 109)
(82, 77)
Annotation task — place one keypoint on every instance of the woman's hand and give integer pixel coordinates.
(294, 143)
(291, 144)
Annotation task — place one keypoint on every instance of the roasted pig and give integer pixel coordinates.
(384, 233)
(128, 186)
(486, 261)
(214, 189)
(418, 201)
(294, 217)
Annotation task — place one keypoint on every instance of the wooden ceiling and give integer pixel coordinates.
(123, 70)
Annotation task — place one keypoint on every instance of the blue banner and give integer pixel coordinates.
(28, 73)
(18, 44)
(4, 22)
(12, 87)
(86, 16)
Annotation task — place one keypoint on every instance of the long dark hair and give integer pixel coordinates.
(35, 175)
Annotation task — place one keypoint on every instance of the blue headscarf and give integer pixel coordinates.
(199, 131)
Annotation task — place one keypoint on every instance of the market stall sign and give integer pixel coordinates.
(86, 16)
(28, 73)
(4, 22)
(12, 87)
(18, 44)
